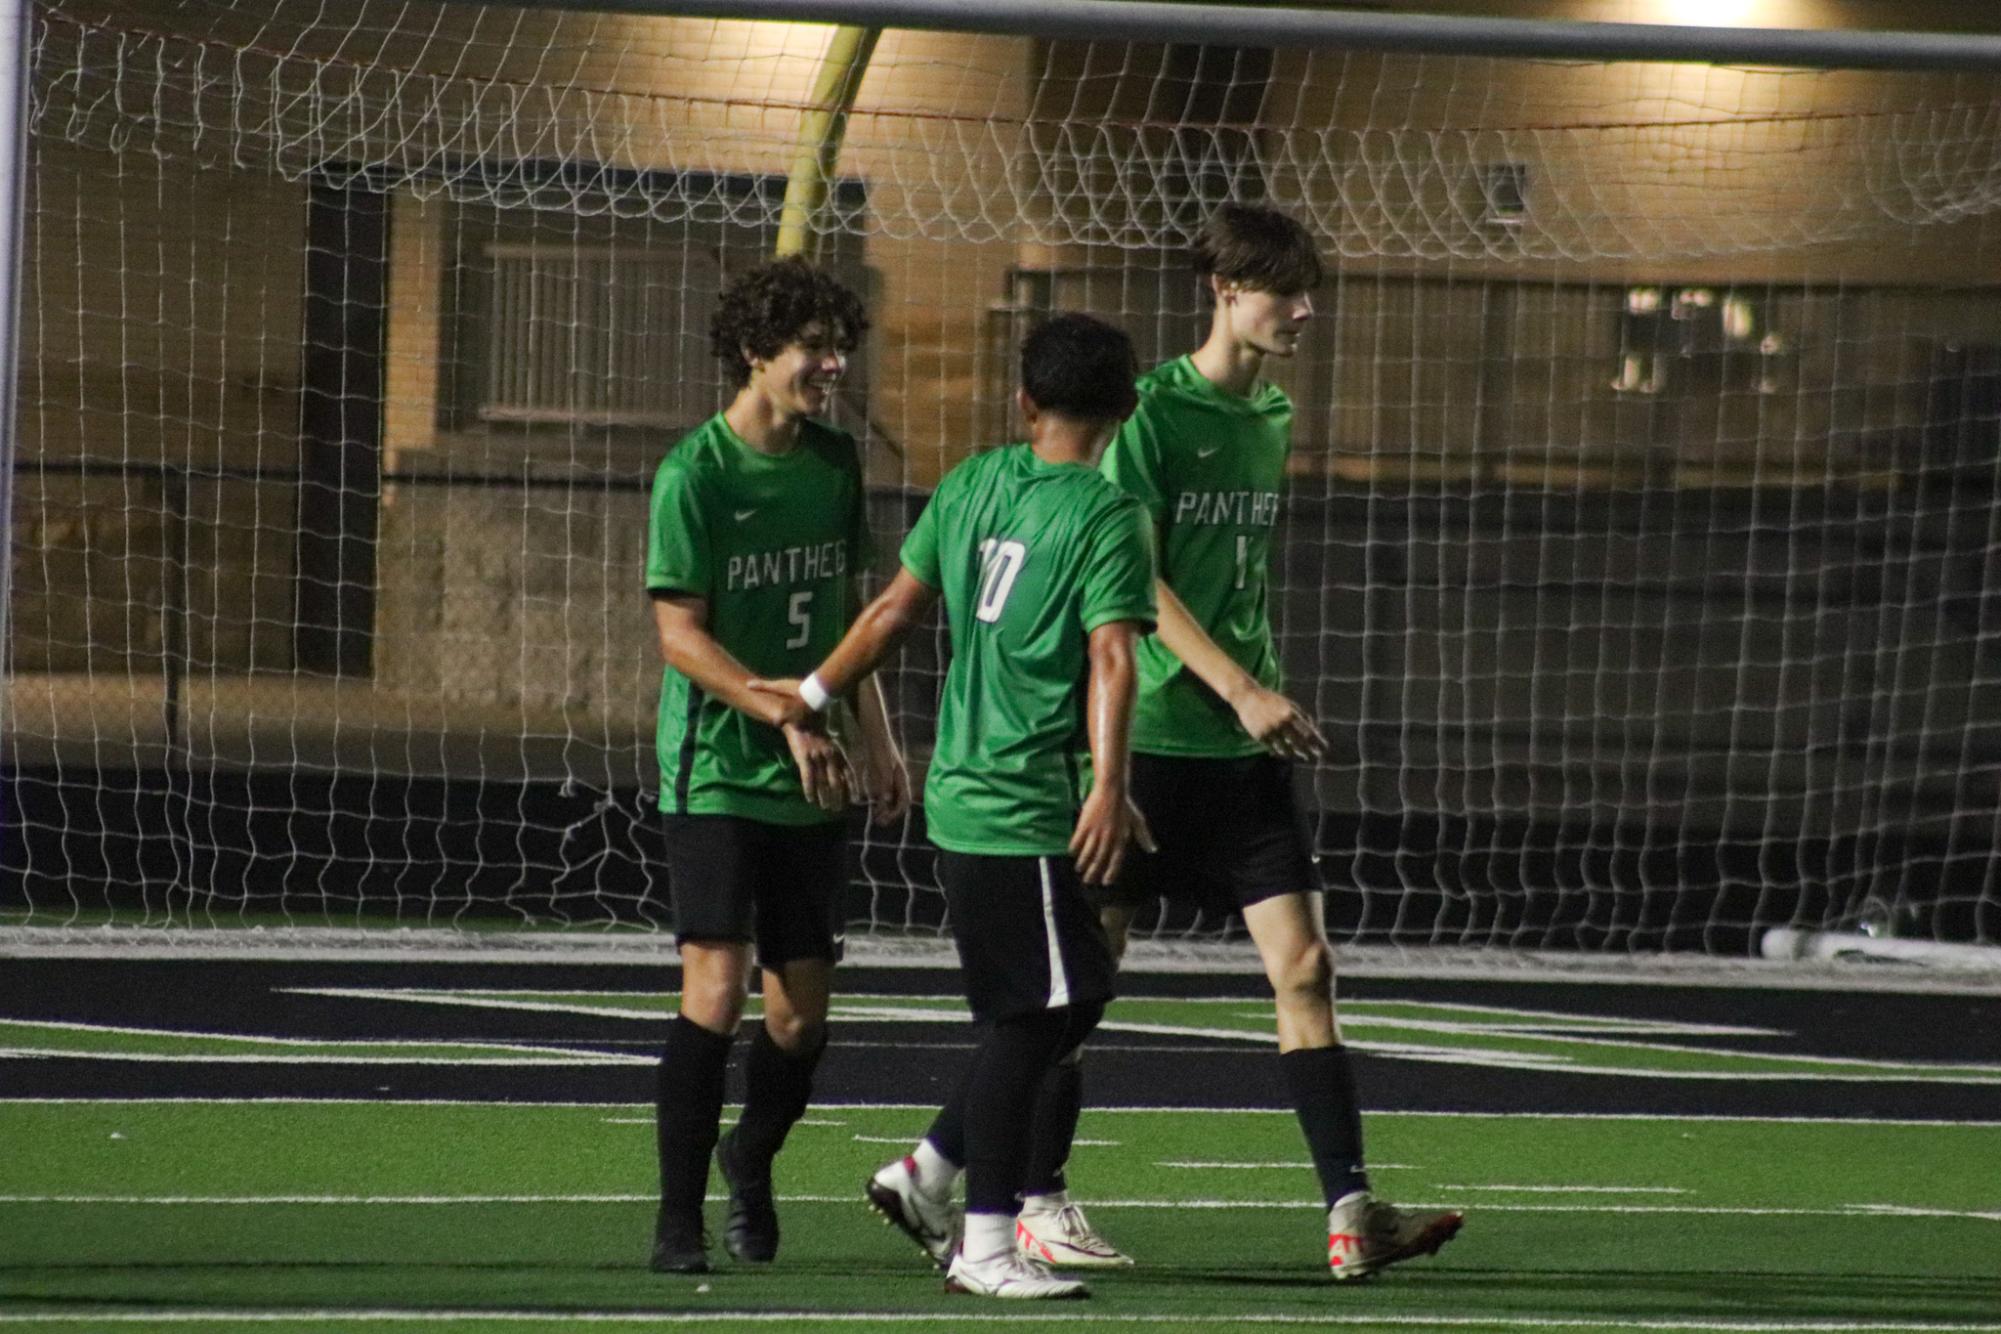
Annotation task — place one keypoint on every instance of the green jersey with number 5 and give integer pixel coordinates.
(771, 542)
(1208, 465)
(1030, 558)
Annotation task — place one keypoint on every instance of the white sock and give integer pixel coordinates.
(936, 1174)
(1045, 1204)
(988, 1235)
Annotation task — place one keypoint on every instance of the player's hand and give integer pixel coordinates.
(823, 768)
(1142, 831)
(1281, 726)
(785, 709)
(1104, 827)
(885, 783)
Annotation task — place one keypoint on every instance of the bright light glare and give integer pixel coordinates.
(1710, 13)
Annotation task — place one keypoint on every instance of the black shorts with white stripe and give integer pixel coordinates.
(1028, 939)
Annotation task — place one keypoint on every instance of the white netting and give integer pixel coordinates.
(1637, 552)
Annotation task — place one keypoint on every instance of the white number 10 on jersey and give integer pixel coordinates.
(1000, 562)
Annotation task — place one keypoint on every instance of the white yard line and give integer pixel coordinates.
(928, 1109)
(1199, 1165)
(269, 1201)
(1572, 1190)
(729, 1318)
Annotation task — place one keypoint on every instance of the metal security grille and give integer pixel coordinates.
(589, 335)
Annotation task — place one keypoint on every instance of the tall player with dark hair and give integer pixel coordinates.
(1046, 572)
(1215, 737)
(758, 531)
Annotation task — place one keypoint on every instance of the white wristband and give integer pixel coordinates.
(814, 692)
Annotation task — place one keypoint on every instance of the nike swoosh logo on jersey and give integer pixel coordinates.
(1205, 453)
(741, 515)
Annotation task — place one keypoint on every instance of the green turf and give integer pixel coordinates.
(86, 1224)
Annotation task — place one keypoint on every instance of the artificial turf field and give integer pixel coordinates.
(270, 1146)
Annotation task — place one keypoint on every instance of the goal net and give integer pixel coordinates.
(1638, 557)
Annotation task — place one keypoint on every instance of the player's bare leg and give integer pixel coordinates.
(1364, 1234)
(1300, 967)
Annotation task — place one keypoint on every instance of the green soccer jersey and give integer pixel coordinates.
(1030, 557)
(1208, 466)
(770, 542)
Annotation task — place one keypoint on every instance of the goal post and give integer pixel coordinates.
(1637, 555)
(14, 29)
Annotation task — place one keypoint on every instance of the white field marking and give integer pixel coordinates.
(277, 1058)
(1686, 1325)
(1516, 1060)
(1970, 1073)
(1527, 1060)
(857, 1011)
(268, 1201)
(488, 1000)
(1527, 968)
(1911, 1211)
(648, 1120)
(851, 1011)
(1896, 1072)
(1591, 1035)
(288, 1048)
(1531, 1023)
(506, 998)
(931, 1108)
(1587, 1191)
(1538, 1017)
(906, 1139)
(1194, 1165)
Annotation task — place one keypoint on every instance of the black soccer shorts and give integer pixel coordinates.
(1028, 938)
(1232, 832)
(737, 879)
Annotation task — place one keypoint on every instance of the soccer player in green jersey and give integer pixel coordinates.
(1214, 737)
(1046, 572)
(758, 531)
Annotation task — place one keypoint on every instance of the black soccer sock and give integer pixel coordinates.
(687, 1106)
(1322, 1083)
(1057, 1106)
(948, 1129)
(777, 1085)
(1000, 1098)
(1000, 1101)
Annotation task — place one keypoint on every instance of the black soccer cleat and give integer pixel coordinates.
(680, 1245)
(750, 1233)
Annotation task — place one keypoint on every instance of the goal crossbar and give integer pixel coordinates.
(1285, 27)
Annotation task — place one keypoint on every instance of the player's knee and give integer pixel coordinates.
(713, 997)
(1306, 976)
(795, 1033)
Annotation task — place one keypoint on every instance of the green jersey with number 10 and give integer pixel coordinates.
(771, 542)
(1030, 557)
(1208, 465)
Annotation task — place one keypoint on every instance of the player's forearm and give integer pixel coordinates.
(688, 647)
(873, 717)
(1187, 640)
(874, 635)
(1109, 705)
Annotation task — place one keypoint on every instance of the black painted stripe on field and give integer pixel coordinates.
(914, 1063)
